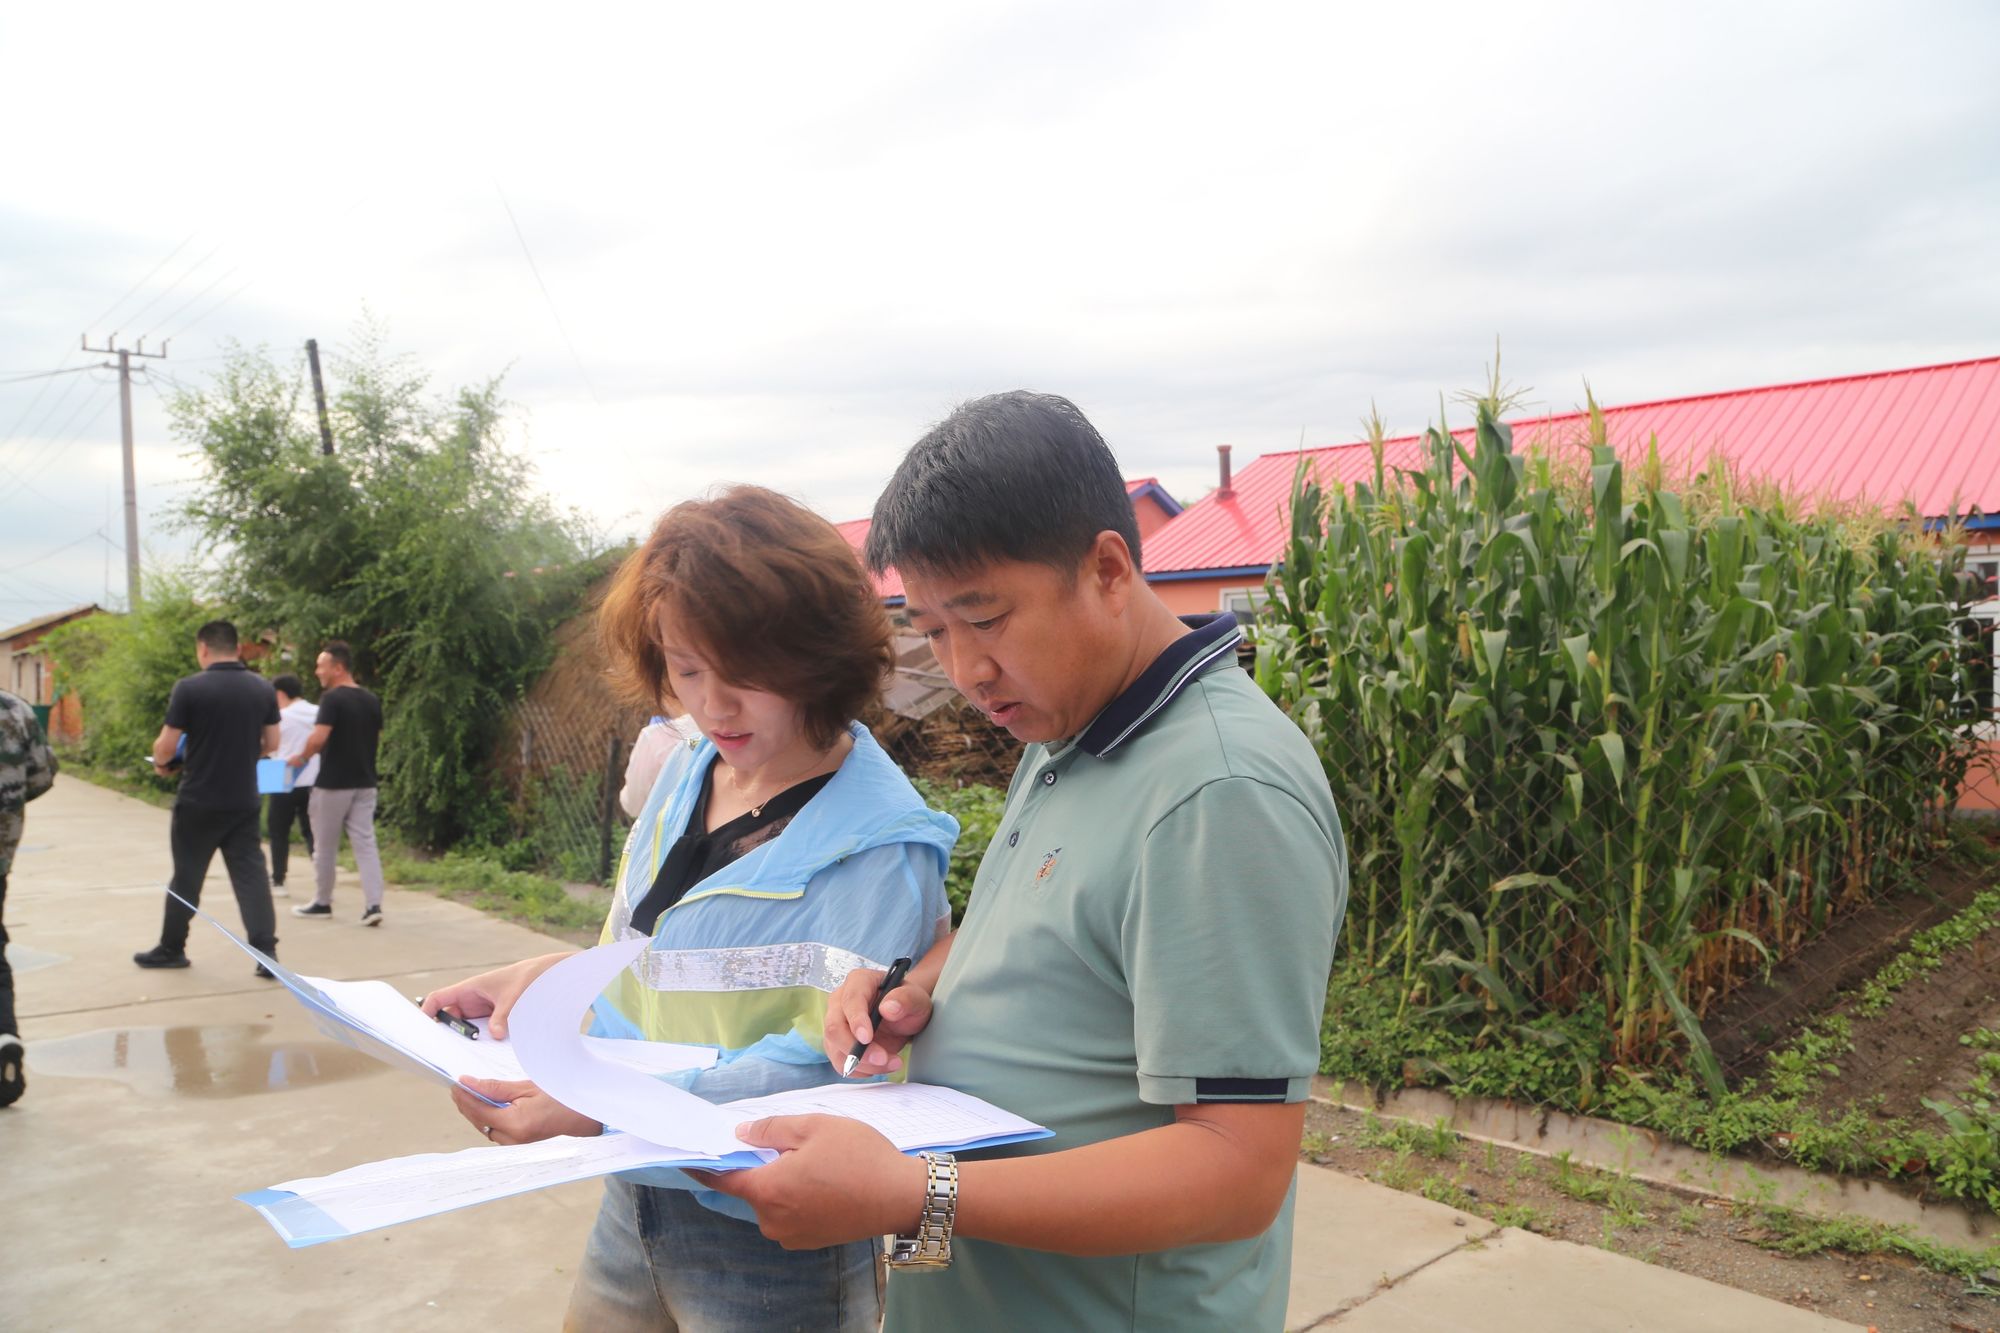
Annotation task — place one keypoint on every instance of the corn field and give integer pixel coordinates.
(1599, 743)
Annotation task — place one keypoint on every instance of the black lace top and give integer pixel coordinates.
(699, 852)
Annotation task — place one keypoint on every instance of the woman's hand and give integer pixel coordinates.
(491, 995)
(530, 1115)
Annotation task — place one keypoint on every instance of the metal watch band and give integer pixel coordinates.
(930, 1245)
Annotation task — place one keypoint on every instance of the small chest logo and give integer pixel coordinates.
(1048, 865)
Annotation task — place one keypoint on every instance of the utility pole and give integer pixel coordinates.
(319, 397)
(124, 368)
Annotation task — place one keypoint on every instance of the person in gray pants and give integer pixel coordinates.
(345, 738)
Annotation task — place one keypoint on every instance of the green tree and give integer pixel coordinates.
(421, 540)
(124, 667)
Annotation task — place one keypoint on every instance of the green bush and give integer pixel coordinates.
(122, 668)
(977, 808)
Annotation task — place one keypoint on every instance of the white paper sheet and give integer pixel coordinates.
(393, 1015)
(405, 1188)
(910, 1115)
(545, 1029)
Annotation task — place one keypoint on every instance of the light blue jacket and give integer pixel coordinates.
(746, 960)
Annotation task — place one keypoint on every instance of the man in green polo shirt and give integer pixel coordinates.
(1144, 961)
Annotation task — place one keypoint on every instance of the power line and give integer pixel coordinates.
(54, 550)
(16, 436)
(182, 307)
(143, 281)
(197, 321)
(53, 452)
(173, 286)
(42, 375)
(14, 432)
(532, 268)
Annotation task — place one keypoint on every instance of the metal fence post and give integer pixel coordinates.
(607, 810)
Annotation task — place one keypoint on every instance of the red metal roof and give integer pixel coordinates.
(1929, 435)
(889, 586)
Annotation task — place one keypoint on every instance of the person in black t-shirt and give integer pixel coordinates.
(229, 716)
(345, 738)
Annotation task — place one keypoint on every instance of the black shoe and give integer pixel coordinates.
(313, 909)
(265, 972)
(13, 1069)
(161, 956)
(372, 917)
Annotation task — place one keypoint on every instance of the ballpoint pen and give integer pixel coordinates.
(890, 980)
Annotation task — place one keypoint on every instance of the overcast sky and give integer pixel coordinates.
(783, 239)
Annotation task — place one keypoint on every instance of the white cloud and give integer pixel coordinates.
(784, 239)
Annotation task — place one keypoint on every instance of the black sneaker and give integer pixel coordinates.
(321, 910)
(13, 1069)
(161, 956)
(372, 917)
(265, 972)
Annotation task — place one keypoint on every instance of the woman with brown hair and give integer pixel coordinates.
(776, 853)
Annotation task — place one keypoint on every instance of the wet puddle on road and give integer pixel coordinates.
(221, 1061)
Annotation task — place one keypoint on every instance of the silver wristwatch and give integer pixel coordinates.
(930, 1246)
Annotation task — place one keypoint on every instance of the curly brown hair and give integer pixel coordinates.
(768, 592)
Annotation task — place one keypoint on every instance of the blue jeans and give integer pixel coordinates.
(659, 1261)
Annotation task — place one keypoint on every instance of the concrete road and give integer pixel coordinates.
(154, 1097)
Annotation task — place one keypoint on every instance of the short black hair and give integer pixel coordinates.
(218, 636)
(288, 684)
(338, 650)
(1011, 476)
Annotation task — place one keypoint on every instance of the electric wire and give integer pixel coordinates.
(181, 309)
(42, 375)
(173, 286)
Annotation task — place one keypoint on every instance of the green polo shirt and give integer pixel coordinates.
(1152, 926)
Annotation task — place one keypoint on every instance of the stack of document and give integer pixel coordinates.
(912, 1116)
(617, 1083)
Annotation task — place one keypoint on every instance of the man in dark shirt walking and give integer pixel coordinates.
(345, 739)
(229, 716)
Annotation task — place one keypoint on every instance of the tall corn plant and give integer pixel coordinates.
(1602, 742)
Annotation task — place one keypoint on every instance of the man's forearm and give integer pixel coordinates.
(1187, 1183)
(926, 970)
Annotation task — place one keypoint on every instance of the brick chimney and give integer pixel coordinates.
(1226, 489)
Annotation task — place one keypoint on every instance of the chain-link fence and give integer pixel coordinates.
(561, 762)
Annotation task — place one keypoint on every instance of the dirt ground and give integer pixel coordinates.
(1767, 1015)
(1710, 1239)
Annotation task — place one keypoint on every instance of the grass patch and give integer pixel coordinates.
(1791, 1232)
(481, 881)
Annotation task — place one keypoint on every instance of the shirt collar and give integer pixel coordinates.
(1213, 639)
(227, 664)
